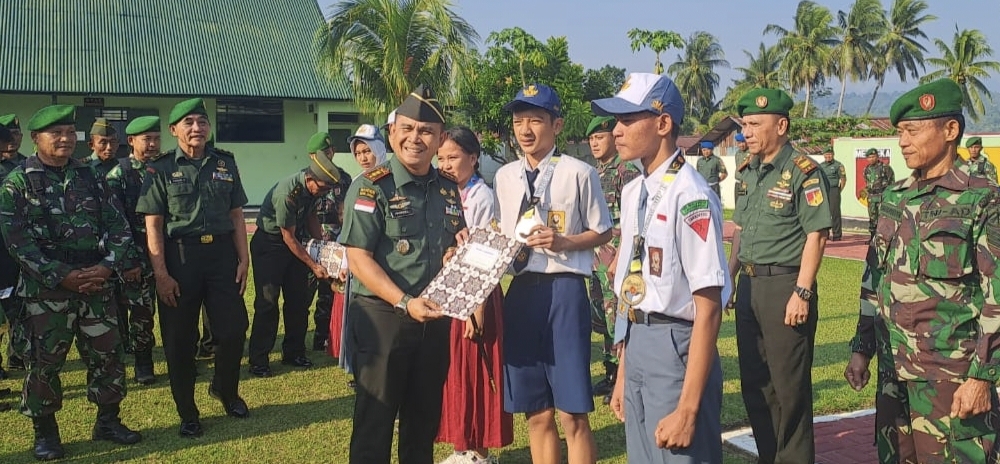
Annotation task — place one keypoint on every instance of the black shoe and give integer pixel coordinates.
(15, 363)
(109, 427)
(603, 387)
(260, 371)
(319, 344)
(144, 368)
(299, 361)
(607, 399)
(191, 429)
(352, 384)
(236, 407)
(48, 445)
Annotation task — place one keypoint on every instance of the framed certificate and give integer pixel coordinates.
(473, 273)
(328, 254)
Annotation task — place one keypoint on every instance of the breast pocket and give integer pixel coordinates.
(945, 252)
(402, 227)
(180, 197)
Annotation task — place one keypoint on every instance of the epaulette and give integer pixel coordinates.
(378, 172)
(805, 164)
(161, 155)
(447, 175)
(224, 152)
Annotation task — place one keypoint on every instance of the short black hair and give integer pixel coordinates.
(5, 135)
(467, 141)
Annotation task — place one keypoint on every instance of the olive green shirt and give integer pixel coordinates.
(741, 156)
(407, 222)
(102, 167)
(711, 167)
(785, 201)
(286, 205)
(834, 171)
(195, 197)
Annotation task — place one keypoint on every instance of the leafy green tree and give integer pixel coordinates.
(763, 70)
(695, 76)
(899, 47)
(602, 83)
(657, 41)
(517, 43)
(386, 48)
(807, 47)
(860, 28)
(964, 62)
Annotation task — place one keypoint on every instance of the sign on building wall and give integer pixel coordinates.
(860, 162)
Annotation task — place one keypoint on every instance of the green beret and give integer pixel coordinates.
(974, 141)
(318, 142)
(765, 101)
(871, 151)
(52, 116)
(143, 124)
(421, 105)
(101, 126)
(322, 168)
(186, 107)
(937, 99)
(828, 149)
(601, 124)
(10, 121)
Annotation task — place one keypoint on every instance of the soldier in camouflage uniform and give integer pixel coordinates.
(614, 175)
(878, 176)
(935, 271)
(980, 165)
(104, 143)
(135, 298)
(67, 232)
(10, 158)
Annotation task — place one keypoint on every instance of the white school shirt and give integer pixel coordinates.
(573, 201)
(684, 236)
(479, 204)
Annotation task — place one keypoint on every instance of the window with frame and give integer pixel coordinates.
(341, 126)
(240, 120)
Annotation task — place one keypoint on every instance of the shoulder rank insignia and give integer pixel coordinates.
(161, 155)
(224, 152)
(378, 172)
(448, 176)
(805, 164)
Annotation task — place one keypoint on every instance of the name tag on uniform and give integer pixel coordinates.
(177, 180)
(223, 176)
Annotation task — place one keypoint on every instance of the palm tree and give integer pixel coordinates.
(694, 72)
(519, 44)
(762, 71)
(962, 64)
(386, 48)
(807, 48)
(860, 28)
(899, 47)
(657, 41)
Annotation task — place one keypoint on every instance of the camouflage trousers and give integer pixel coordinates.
(603, 301)
(873, 205)
(913, 425)
(13, 312)
(135, 319)
(50, 326)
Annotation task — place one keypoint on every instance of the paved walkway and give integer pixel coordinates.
(840, 439)
(851, 246)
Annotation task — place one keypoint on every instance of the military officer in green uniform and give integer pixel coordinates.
(742, 161)
(136, 297)
(878, 176)
(9, 271)
(836, 177)
(711, 167)
(782, 226)
(402, 217)
(614, 175)
(67, 232)
(282, 264)
(934, 272)
(980, 165)
(192, 198)
(104, 144)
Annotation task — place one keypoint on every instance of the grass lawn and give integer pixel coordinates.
(305, 416)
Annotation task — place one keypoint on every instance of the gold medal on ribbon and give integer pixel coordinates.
(403, 246)
(633, 290)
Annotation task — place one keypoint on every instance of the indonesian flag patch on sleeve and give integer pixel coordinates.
(698, 217)
(364, 205)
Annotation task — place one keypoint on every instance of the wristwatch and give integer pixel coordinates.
(401, 306)
(803, 293)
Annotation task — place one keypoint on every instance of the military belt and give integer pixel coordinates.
(74, 257)
(200, 239)
(757, 270)
(537, 278)
(638, 316)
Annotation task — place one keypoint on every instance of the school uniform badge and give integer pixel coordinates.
(698, 217)
(557, 221)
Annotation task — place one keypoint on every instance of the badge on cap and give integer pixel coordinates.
(761, 101)
(927, 102)
(657, 105)
(530, 91)
(627, 84)
(403, 246)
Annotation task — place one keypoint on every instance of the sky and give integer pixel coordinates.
(597, 30)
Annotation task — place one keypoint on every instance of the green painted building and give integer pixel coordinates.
(253, 62)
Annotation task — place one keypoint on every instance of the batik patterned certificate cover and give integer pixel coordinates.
(328, 254)
(472, 274)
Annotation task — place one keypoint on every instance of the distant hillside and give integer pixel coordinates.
(855, 105)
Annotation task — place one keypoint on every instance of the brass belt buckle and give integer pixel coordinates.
(748, 270)
(206, 239)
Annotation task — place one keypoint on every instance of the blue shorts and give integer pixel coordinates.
(546, 344)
